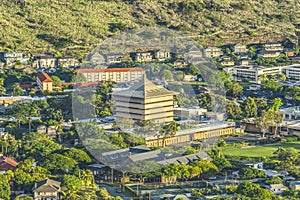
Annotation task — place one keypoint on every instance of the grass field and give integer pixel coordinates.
(259, 151)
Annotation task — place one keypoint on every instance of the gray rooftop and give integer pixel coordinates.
(144, 89)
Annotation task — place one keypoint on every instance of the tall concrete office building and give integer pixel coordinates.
(145, 101)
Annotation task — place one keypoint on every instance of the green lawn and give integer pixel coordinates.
(258, 151)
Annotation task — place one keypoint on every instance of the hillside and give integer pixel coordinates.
(76, 26)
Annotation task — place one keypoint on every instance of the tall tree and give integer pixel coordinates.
(278, 119)
(233, 110)
(250, 108)
(169, 130)
(275, 104)
(264, 121)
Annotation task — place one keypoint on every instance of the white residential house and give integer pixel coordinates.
(277, 188)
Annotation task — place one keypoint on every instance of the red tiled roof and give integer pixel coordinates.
(108, 70)
(88, 84)
(26, 86)
(66, 83)
(44, 77)
(7, 163)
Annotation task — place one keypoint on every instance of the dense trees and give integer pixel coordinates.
(56, 80)
(253, 191)
(58, 163)
(71, 182)
(78, 155)
(233, 110)
(4, 188)
(169, 130)
(288, 158)
(103, 103)
(192, 70)
(274, 180)
(201, 167)
(249, 107)
(38, 145)
(250, 173)
(28, 172)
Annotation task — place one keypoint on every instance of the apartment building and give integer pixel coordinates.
(292, 72)
(252, 73)
(112, 74)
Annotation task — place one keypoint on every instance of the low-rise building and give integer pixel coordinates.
(202, 131)
(47, 189)
(112, 74)
(189, 113)
(10, 57)
(291, 113)
(289, 53)
(245, 61)
(295, 185)
(162, 55)
(188, 77)
(212, 52)
(96, 58)
(273, 46)
(113, 58)
(44, 61)
(51, 131)
(252, 73)
(7, 164)
(67, 62)
(269, 54)
(41, 129)
(226, 63)
(277, 188)
(292, 72)
(122, 159)
(180, 63)
(44, 82)
(146, 56)
(240, 48)
(194, 55)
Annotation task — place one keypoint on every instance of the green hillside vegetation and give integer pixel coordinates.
(76, 27)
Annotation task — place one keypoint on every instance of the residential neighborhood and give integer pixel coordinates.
(149, 100)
